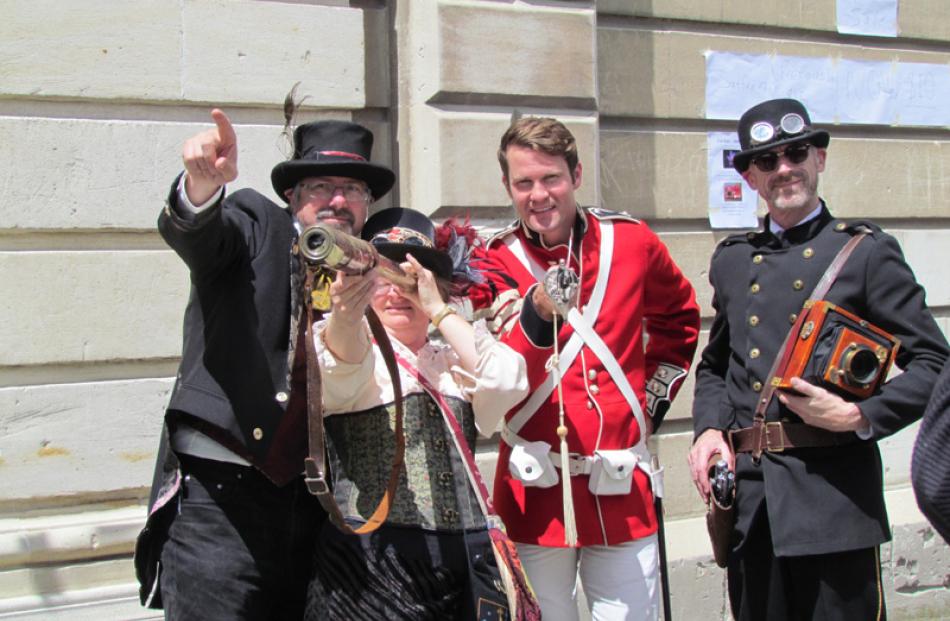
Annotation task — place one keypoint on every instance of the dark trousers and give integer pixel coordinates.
(239, 546)
(841, 586)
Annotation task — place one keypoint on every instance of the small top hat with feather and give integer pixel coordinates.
(334, 149)
(397, 231)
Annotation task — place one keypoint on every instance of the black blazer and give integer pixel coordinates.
(233, 381)
(819, 500)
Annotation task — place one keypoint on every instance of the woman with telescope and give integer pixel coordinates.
(423, 562)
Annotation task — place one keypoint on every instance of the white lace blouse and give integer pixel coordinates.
(499, 382)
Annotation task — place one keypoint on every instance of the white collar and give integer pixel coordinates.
(778, 230)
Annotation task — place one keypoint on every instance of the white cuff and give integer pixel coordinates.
(185, 203)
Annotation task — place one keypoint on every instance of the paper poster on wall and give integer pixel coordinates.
(833, 90)
(732, 203)
(876, 18)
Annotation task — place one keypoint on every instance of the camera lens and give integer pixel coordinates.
(861, 365)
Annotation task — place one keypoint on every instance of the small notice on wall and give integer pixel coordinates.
(835, 90)
(732, 203)
(876, 18)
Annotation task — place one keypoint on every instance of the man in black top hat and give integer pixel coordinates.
(810, 510)
(231, 523)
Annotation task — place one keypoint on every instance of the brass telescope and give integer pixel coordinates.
(336, 250)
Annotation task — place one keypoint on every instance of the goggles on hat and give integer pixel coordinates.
(763, 131)
(796, 154)
(397, 235)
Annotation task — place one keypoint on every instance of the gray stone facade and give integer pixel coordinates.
(96, 98)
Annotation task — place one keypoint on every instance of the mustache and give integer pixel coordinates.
(786, 178)
(329, 212)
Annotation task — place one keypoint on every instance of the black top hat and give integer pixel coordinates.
(394, 232)
(771, 124)
(332, 148)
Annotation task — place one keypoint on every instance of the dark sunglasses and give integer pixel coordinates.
(767, 162)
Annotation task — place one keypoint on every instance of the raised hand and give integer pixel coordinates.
(350, 295)
(427, 295)
(210, 159)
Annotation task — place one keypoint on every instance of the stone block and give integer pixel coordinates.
(680, 500)
(53, 49)
(30, 588)
(692, 251)
(471, 175)
(67, 441)
(238, 52)
(916, 19)
(927, 252)
(86, 307)
(520, 50)
(201, 51)
(818, 15)
(860, 181)
(924, 19)
(654, 175)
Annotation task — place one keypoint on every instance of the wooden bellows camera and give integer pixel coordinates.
(839, 351)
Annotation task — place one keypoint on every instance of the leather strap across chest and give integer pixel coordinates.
(574, 344)
(775, 437)
(315, 465)
(584, 334)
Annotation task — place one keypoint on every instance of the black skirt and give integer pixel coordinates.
(404, 573)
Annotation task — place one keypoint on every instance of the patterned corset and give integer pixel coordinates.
(433, 492)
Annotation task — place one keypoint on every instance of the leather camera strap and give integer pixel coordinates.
(316, 463)
(781, 358)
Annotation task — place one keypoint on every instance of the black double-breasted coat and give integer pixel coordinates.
(233, 380)
(818, 500)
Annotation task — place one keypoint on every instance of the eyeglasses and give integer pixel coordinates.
(796, 154)
(322, 191)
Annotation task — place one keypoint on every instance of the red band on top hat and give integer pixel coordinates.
(352, 156)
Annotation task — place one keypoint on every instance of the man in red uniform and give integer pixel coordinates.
(597, 391)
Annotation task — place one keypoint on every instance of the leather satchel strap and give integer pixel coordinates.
(316, 463)
(784, 353)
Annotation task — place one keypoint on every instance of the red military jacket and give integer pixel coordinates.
(645, 290)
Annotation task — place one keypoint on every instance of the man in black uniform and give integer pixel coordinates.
(231, 524)
(809, 518)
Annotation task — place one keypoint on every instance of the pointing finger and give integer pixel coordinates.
(225, 130)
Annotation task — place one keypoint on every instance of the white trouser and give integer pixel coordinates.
(620, 582)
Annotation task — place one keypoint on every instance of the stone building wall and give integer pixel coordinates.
(96, 98)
